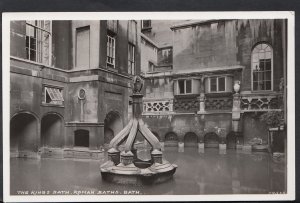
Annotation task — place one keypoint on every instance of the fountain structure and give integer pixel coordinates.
(123, 165)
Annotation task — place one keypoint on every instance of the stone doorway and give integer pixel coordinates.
(231, 140)
(52, 131)
(211, 140)
(171, 140)
(190, 140)
(81, 138)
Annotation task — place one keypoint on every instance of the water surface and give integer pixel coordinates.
(210, 172)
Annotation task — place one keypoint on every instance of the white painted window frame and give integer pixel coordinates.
(272, 71)
(131, 62)
(113, 39)
(50, 40)
(185, 93)
(217, 80)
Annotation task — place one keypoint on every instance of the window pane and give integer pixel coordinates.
(268, 85)
(268, 75)
(213, 84)
(221, 84)
(255, 57)
(181, 86)
(261, 65)
(255, 85)
(268, 64)
(188, 86)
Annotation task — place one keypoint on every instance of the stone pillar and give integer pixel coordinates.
(162, 144)
(236, 115)
(180, 146)
(201, 147)
(127, 158)
(201, 98)
(137, 105)
(114, 155)
(156, 156)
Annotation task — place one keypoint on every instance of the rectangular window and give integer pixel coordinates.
(185, 86)
(53, 95)
(111, 49)
(131, 59)
(217, 84)
(38, 41)
(262, 75)
(83, 47)
(146, 24)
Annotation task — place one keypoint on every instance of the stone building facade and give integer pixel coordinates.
(70, 85)
(208, 82)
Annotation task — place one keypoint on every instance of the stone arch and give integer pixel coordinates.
(81, 138)
(171, 140)
(113, 124)
(190, 139)
(211, 140)
(24, 131)
(52, 130)
(231, 140)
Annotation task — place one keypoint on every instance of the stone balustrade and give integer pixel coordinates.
(261, 102)
(221, 102)
(158, 105)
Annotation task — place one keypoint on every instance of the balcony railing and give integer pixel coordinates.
(222, 102)
(218, 101)
(261, 102)
(157, 106)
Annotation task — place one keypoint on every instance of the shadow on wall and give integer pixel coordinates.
(52, 131)
(113, 124)
(24, 133)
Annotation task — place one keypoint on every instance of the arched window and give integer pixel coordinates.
(262, 67)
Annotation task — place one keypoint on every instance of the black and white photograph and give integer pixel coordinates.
(148, 106)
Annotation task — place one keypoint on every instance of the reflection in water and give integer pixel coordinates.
(205, 171)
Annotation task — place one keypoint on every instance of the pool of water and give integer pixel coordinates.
(210, 172)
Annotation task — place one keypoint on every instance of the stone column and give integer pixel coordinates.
(156, 156)
(236, 113)
(127, 158)
(201, 98)
(137, 105)
(114, 155)
(180, 146)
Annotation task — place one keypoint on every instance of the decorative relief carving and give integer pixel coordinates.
(186, 104)
(218, 103)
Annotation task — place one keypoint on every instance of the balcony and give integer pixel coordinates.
(214, 103)
(261, 102)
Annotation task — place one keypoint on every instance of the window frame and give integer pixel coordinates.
(131, 61)
(272, 69)
(145, 28)
(44, 95)
(217, 84)
(185, 93)
(113, 38)
(37, 28)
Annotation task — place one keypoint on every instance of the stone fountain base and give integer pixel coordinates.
(133, 175)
